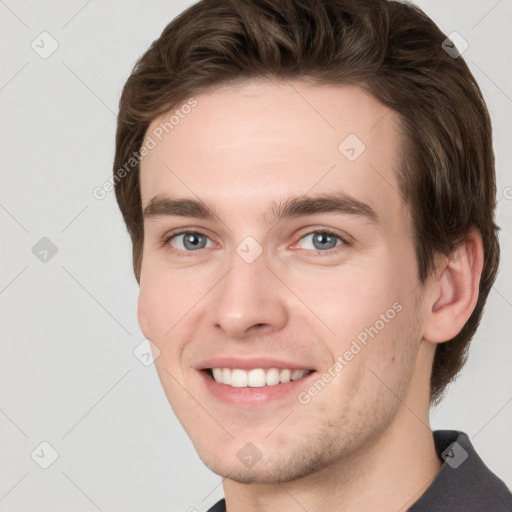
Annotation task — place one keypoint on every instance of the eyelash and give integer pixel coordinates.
(329, 252)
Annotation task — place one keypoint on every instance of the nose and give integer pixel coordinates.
(249, 300)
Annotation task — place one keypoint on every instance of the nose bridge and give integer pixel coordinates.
(248, 296)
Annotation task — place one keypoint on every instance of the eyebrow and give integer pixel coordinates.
(295, 206)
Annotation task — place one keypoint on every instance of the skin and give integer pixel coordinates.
(363, 442)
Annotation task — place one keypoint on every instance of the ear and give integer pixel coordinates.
(454, 290)
(142, 318)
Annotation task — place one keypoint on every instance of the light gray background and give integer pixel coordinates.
(68, 375)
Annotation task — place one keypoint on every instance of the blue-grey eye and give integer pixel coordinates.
(190, 241)
(320, 240)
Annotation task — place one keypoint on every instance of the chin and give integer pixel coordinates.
(272, 468)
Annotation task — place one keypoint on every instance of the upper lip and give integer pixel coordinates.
(250, 363)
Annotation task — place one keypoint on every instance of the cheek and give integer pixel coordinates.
(371, 320)
(172, 303)
(166, 298)
(375, 375)
(348, 301)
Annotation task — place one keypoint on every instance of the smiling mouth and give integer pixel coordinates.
(256, 377)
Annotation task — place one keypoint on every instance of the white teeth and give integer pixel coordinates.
(257, 377)
(297, 374)
(226, 376)
(238, 378)
(285, 376)
(272, 377)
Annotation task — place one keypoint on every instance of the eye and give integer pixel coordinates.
(321, 241)
(189, 241)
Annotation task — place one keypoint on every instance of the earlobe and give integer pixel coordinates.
(455, 290)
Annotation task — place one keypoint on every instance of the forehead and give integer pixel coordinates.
(256, 140)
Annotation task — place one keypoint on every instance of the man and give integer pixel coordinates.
(309, 188)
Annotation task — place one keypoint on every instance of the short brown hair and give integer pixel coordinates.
(389, 48)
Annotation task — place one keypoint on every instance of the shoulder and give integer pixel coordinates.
(464, 482)
(220, 506)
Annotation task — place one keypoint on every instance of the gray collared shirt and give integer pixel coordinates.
(464, 483)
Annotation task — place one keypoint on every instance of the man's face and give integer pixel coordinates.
(273, 281)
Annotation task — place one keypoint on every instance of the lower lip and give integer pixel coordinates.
(253, 396)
